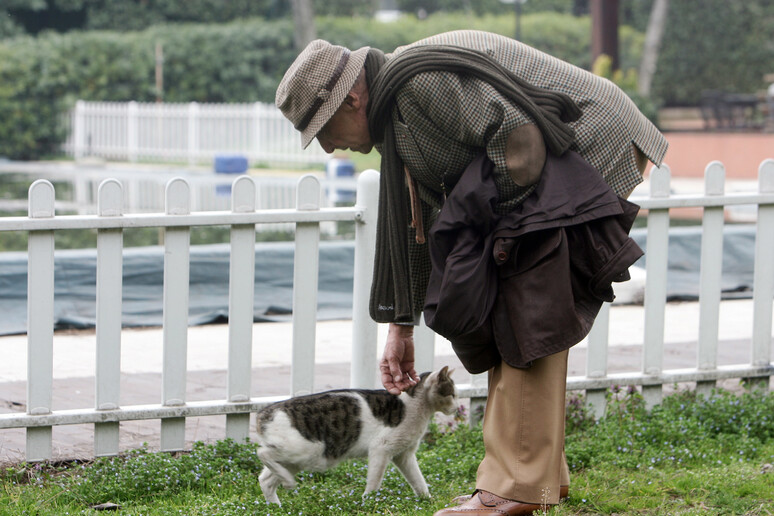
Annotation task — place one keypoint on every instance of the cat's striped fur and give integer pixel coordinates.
(316, 432)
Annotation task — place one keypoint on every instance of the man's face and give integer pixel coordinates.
(347, 129)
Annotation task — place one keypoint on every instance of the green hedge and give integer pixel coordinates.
(32, 98)
(561, 35)
(41, 77)
(721, 46)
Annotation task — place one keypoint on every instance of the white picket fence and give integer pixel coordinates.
(144, 186)
(107, 414)
(177, 220)
(185, 133)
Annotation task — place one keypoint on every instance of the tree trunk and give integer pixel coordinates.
(303, 23)
(604, 31)
(653, 37)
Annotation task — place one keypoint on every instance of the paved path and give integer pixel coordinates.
(74, 358)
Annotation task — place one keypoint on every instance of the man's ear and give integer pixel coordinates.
(352, 100)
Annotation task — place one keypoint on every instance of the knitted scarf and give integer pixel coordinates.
(391, 289)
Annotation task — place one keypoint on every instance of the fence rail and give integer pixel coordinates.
(185, 133)
(109, 222)
(144, 187)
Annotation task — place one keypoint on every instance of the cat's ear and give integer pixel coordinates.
(445, 373)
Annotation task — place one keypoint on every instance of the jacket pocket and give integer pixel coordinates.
(524, 253)
(534, 315)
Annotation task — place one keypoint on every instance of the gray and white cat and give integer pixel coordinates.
(316, 432)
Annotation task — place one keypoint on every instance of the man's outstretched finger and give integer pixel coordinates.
(395, 371)
(388, 380)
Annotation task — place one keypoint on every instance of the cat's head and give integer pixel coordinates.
(438, 390)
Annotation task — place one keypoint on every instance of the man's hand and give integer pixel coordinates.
(397, 364)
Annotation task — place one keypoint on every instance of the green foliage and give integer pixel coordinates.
(346, 8)
(237, 62)
(725, 46)
(634, 13)
(689, 454)
(244, 60)
(40, 78)
(142, 475)
(483, 7)
(561, 35)
(627, 81)
(686, 430)
(241, 61)
(31, 100)
(9, 28)
(578, 416)
(133, 15)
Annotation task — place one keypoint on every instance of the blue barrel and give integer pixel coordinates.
(340, 168)
(229, 164)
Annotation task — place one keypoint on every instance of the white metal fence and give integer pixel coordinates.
(177, 220)
(185, 133)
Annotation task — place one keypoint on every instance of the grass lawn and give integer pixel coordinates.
(688, 456)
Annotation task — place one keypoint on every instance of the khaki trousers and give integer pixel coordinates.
(524, 425)
(524, 432)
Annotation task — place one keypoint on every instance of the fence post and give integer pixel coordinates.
(763, 276)
(40, 320)
(305, 282)
(79, 130)
(240, 307)
(710, 275)
(176, 290)
(363, 373)
(193, 132)
(132, 132)
(656, 260)
(477, 403)
(596, 360)
(256, 143)
(424, 347)
(110, 243)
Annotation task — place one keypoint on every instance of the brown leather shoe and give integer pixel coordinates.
(484, 503)
(564, 493)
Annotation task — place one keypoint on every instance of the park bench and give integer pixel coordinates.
(735, 111)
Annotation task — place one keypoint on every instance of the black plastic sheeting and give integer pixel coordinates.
(685, 257)
(143, 273)
(75, 279)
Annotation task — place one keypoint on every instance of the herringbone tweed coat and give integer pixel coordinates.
(444, 120)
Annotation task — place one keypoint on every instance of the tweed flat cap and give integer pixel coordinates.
(316, 84)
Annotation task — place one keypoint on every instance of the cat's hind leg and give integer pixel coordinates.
(269, 483)
(408, 466)
(284, 475)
